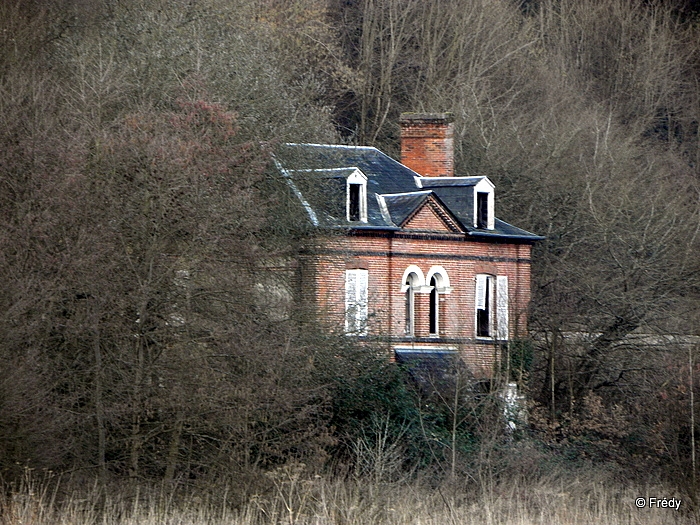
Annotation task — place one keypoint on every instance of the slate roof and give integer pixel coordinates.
(400, 206)
(317, 174)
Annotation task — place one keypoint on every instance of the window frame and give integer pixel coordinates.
(496, 302)
(484, 186)
(439, 285)
(412, 282)
(482, 210)
(354, 205)
(354, 180)
(410, 308)
(487, 302)
(434, 309)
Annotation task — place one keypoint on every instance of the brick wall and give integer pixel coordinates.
(428, 218)
(427, 143)
(387, 256)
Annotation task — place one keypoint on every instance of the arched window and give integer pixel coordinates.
(410, 285)
(439, 284)
(434, 307)
(413, 282)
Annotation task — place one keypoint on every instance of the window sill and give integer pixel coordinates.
(489, 340)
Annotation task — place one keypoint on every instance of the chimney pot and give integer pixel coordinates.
(427, 143)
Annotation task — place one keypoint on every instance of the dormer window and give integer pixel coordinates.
(482, 210)
(354, 191)
(483, 205)
(356, 202)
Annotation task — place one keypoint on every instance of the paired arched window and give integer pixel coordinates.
(413, 283)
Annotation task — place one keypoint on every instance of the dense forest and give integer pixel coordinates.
(142, 228)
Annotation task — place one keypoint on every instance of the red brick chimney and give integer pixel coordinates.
(427, 143)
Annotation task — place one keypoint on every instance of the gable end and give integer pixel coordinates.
(430, 216)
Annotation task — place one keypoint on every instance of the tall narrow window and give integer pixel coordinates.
(356, 308)
(439, 288)
(354, 195)
(492, 306)
(483, 306)
(434, 307)
(411, 283)
(482, 210)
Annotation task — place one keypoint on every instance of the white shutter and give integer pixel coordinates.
(502, 307)
(350, 299)
(481, 292)
(362, 310)
(356, 310)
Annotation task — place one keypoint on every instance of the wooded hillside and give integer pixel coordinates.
(140, 220)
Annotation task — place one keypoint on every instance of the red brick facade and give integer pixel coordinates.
(387, 256)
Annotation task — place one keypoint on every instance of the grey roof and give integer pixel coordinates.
(401, 205)
(317, 174)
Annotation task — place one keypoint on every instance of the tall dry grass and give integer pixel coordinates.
(298, 499)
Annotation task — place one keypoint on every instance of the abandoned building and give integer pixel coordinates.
(414, 255)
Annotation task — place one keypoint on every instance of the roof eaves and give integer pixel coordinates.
(429, 182)
(406, 193)
(496, 235)
(309, 210)
(384, 210)
(311, 170)
(364, 227)
(337, 146)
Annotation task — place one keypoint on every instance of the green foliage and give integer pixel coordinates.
(377, 404)
(517, 356)
(365, 388)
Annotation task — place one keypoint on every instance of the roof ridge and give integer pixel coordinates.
(404, 193)
(344, 168)
(317, 145)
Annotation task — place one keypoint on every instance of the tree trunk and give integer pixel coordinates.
(173, 449)
(99, 406)
(136, 438)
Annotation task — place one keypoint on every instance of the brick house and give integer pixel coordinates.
(415, 256)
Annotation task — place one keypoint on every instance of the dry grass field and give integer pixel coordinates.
(293, 500)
